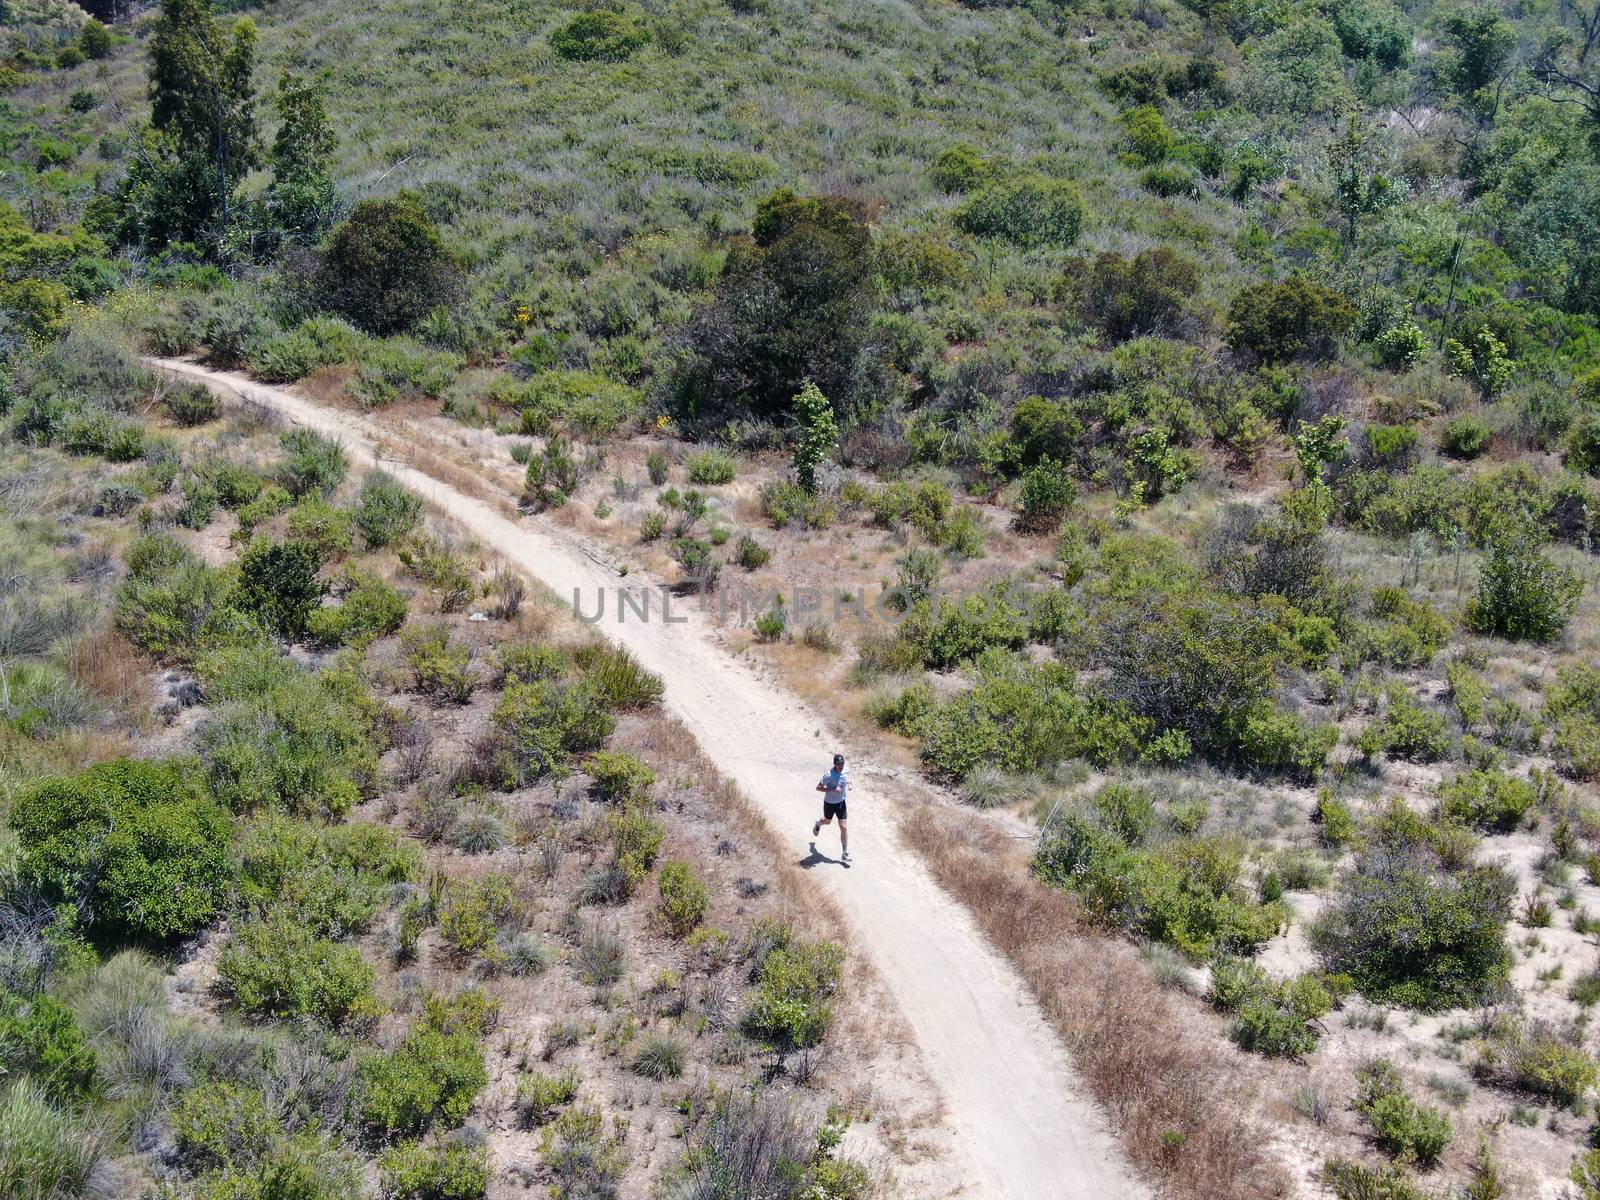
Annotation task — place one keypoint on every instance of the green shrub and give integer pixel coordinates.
(1027, 209)
(139, 844)
(623, 684)
(370, 609)
(1408, 1131)
(1275, 741)
(298, 746)
(441, 667)
(684, 897)
(332, 881)
(1185, 892)
(1583, 445)
(795, 983)
(327, 527)
(1276, 322)
(1401, 346)
(1412, 933)
(40, 1038)
(1573, 703)
(553, 475)
(476, 913)
(386, 511)
(925, 506)
(1522, 595)
(789, 504)
(1125, 298)
(545, 723)
(711, 468)
(599, 36)
(960, 168)
(449, 1170)
(636, 839)
(619, 777)
(1047, 495)
(311, 463)
(1169, 179)
(433, 561)
(1407, 730)
(272, 501)
(191, 404)
(1392, 447)
(1482, 359)
(1353, 1181)
(1538, 1062)
(751, 554)
(657, 467)
(431, 1076)
(526, 662)
(1464, 437)
(277, 967)
(224, 1124)
(540, 1095)
(385, 267)
(1277, 1019)
(1490, 800)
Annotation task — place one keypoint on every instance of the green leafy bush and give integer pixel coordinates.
(788, 504)
(1185, 892)
(1275, 1018)
(1407, 730)
(619, 777)
(277, 967)
(795, 983)
(1411, 932)
(684, 897)
(139, 844)
(1522, 595)
(1573, 703)
(369, 609)
(1409, 1131)
(540, 1095)
(433, 1075)
(1125, 298)
(960, 168)
(1028, 209)
(1464, 437)
(191, 404)
(623, 684)
(599, 36)
(449, 1170)
(311, 463)
(545, 723)
(51, 1152)
(1047, 495)
(711, 468)
(327, 527)
(332, 880)
(1536, 1061)
(385, 511)
(298, 745)
(441, 667)
(1277, 322)
(1490, 800)
(40, 1038)
(1276, 742)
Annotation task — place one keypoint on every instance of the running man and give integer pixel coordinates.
(835, 787)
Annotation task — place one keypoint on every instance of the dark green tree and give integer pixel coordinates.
(1480, 41)
(302, 161)
(385, 268)
(203, 137)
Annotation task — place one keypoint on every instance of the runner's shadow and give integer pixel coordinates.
(816, 858)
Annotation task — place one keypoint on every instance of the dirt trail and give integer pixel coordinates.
(1021, 1119)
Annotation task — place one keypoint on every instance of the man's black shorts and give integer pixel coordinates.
(831, 810)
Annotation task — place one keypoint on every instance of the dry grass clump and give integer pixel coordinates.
(1180, 1117)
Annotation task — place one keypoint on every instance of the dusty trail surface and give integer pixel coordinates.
(1021, 1119)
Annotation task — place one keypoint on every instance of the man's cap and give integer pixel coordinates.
(838, 760)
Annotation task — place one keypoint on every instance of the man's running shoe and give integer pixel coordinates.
(816, 829)
(845, 858)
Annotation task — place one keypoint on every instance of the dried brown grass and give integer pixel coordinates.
(1155, 1073)
(111, 670)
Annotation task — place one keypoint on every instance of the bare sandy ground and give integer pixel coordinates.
(1022, 1123)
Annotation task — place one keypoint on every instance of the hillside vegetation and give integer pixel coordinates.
(1214, 386)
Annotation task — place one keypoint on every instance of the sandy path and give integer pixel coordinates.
(1021, 1119)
